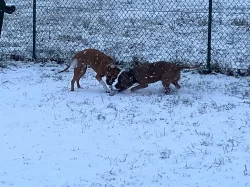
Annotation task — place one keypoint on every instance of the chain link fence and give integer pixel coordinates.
(231, 35)
(172, 30)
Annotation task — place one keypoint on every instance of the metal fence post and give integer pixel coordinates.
(34, 30)
(2, 7)
(209, 39)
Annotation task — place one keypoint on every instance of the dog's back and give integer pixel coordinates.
(152, 72)
(92, 57)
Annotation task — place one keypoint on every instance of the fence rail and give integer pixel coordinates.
(151, 29)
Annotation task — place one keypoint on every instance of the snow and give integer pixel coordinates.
(196, 136)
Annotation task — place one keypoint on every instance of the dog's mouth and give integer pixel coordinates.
(119, 88)
(109, 82)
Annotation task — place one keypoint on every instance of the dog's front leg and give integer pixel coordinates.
(104, 86)
(112, 90)
(111, 87)
(99, 78)
(138, 87)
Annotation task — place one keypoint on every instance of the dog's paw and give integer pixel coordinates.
(112, 93)
(128, 91)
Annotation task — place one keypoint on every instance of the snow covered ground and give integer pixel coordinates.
(196, 136)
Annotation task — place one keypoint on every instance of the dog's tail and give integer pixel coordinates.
(73, 61)
(189, 67)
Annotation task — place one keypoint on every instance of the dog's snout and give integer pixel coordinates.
(117, 86)
(109, 82)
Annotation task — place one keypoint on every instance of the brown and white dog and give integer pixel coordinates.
(148, 73)
(102, 64)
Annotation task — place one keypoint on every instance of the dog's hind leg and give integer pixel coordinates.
(138, 87)
(81, 74)
(79, 71)
(166, 80)
(177, 78)
(166, 87)
(72, 84)
(176, 85)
